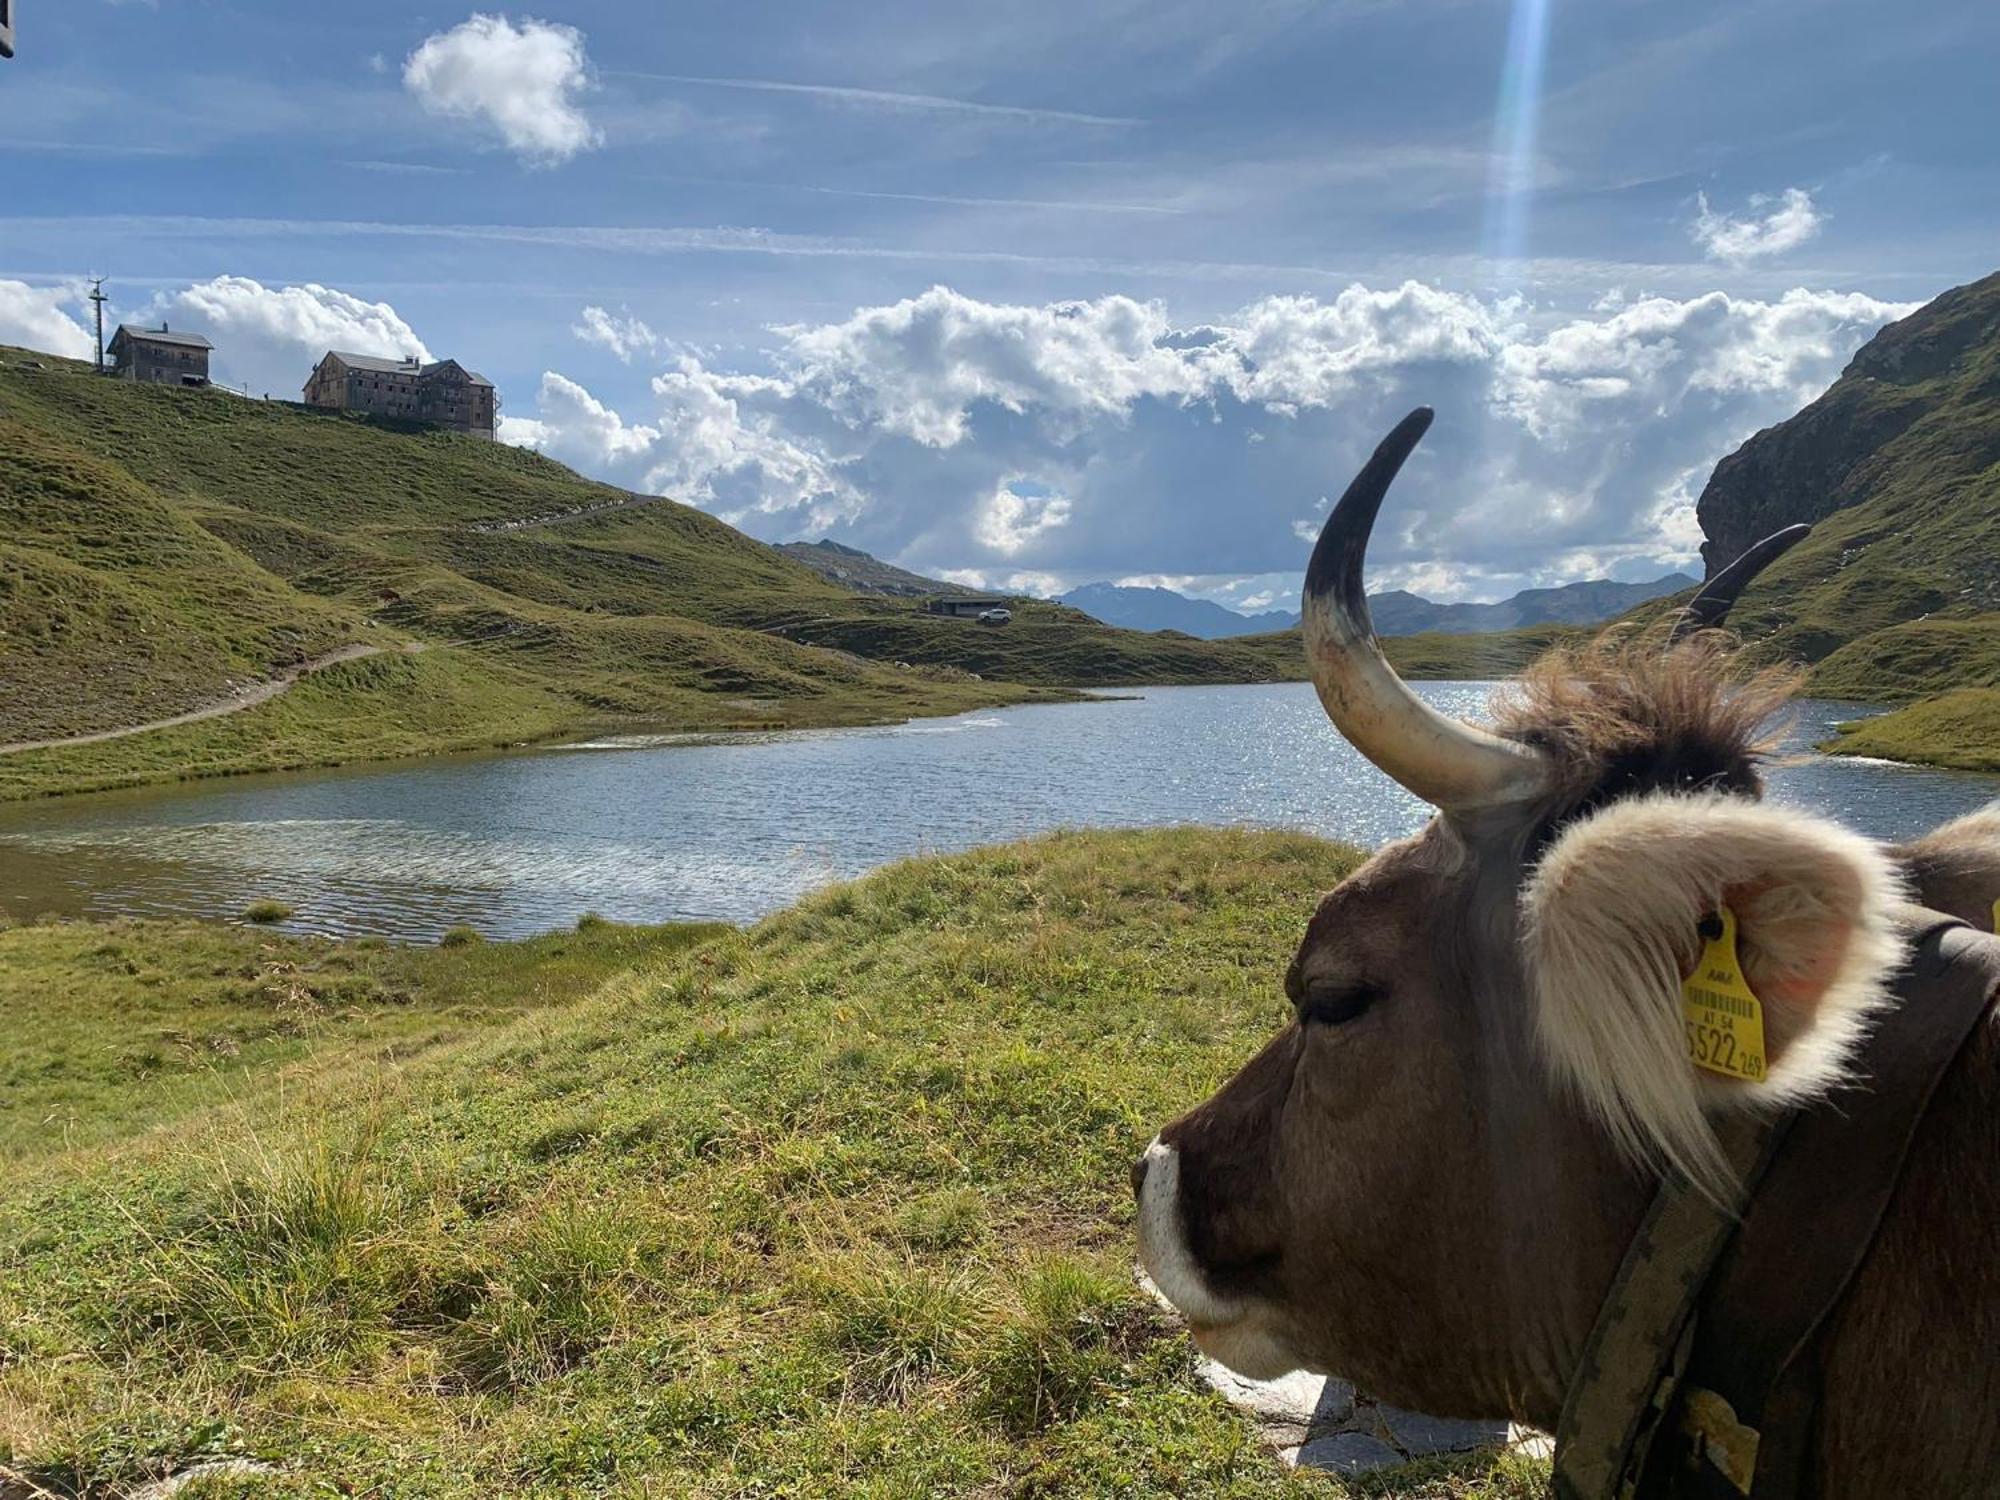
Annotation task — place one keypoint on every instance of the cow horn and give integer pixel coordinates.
(1452, 765)
(1710, 607)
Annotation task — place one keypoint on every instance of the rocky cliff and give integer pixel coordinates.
(1896, 594)
(1939, 367)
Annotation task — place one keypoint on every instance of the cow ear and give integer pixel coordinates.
(1628, 902)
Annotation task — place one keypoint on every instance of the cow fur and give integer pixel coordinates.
(1956, 868)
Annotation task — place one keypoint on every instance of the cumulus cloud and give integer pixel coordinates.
(520, 82)
(577, 428)
(1773, 226)
(623, 336)
(33, 318)
(269, 338)
(1016, 513)
(1083, 440)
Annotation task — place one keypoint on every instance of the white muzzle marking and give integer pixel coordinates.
(1163, 1250)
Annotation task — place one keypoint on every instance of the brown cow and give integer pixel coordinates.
(1426, 1182)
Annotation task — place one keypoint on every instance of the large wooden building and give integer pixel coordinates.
(161, 356)
(443, 393)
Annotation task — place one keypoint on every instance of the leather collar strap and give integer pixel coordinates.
(1750, 1350)
(1631, 1365)
(1771, 1294)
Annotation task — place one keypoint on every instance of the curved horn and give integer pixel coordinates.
(1710, 607)
(1452, 765)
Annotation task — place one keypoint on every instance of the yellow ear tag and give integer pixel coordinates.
(1725, 1022)
(1996, 913)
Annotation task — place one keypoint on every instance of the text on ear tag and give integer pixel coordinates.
(1725, 1022)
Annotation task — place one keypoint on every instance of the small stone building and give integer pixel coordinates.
(443, 393)
(161, 356)
(963, 605)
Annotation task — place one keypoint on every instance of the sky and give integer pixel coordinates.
(1041, 292)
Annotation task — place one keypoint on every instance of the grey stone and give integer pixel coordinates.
(1348, 1453)
(1420, 1436)
(1335, 1405)
(1530, 1442)
(1290, 1399)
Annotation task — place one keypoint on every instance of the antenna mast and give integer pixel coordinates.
(97, 296)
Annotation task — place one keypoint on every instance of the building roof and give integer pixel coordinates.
(162, 336)
(473, 377)
(378, 366)
(966, 601)
(371, 362)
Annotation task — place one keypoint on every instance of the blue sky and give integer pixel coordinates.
(1042, 292)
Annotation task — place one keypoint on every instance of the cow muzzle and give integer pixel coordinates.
(1230, 1329)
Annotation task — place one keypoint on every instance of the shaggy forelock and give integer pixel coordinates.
(1626, 715)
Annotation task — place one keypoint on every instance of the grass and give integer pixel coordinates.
(109, 1028)
(161, 548)
(266, 912)
(832, 1206)
(1959, 729)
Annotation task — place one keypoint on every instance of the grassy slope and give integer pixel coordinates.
(1960, 729)
(1896, 595)
(833, 1206)
(159, 547)
(111, 1028)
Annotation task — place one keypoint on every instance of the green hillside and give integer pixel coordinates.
(833, 1206)
(161, 550)
(1896, 594)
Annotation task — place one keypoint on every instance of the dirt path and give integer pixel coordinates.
(633, 501)
(242, 698)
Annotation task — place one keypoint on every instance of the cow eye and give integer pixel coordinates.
(1329, 1003)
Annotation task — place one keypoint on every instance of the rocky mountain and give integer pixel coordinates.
(852, 568)
(1395, 611)
(1896, 595)
(1932, 368)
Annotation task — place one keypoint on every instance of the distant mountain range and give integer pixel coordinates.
(1398, 613)
(1395, 612)
(1163, 609)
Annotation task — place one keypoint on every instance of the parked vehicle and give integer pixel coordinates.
(995, 616)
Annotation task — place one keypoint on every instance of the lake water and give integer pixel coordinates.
(665, 827)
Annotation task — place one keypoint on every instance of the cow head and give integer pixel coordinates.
(1425, 1182)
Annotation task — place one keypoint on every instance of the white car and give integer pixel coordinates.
(995, 616)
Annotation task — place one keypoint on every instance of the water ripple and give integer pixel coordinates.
(657, 827)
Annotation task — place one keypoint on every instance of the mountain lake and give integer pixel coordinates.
(662, 827)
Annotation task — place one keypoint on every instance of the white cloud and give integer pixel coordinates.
(1099, 439)
(269, 338)
(582, 431)
(623, 336)
(1033, 584)
(519, 81)
(917, 367)
(1012, 518)
(1784, 223)
(33, 318)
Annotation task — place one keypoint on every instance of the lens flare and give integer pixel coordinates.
(1511, 181)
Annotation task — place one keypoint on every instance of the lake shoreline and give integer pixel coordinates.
(91, 764)
(1901, 733)
(649, 821)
